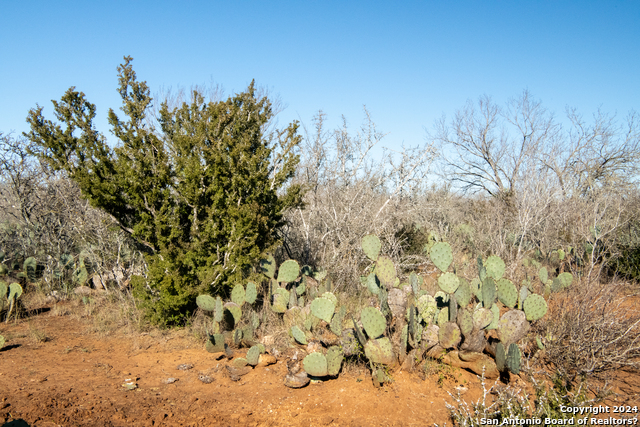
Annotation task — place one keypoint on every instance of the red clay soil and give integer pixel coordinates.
(75, 377)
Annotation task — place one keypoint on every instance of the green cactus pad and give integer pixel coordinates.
(253, 355)
(453, 308)
(427, 307)
(238, 295)
(495, 267)
(323, 308)
(298, 335)
(544, 276)
(441, 255)
(268, 266)
(463, 293)
(507, 292)
(251, 293)
(330, 296)
(386, 271)
(239, 362)
(443, 316)
(534, 307)
(442, 299)
(482, 317)
(513, 359)
(301, 288)
(215, 343)
(371, 246)
(315, 364)
(338, 319)
(512, 327)
(488, 292)
(522, 295)
(280, 300)
(30, 266)
(373, 321)
(465, 321)
(206, 302)
(373, 284)
(448, 282)
(501, 357)
(496, 317)
(476, 288)
(565, 279)
(380, 351)
(15, 290)
(235, 311)
(449, 335)
(561, 254)
(320, 274)
(414, 282)
(334, 360)
(288, 271)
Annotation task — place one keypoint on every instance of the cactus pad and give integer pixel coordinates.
(513, 359)
(268, 266)
(534, 307)
(371, 246)
(238, 295)
(280, 300)
(512, 327)
(323, 308)
(476, 288)
(427, 307)
(448, 282)
(496, 317)
(449, 335)
(334, 360)
(465, 321)
(215, 343)
(501, 357)
(414, 282)
(298, 335)
(315, 364)
(565, 279)
(544, 276)
(495, 267)
(204, 302)
(386, 271)
(380, 351)
(482, 317)
(288, 271)
(441, 255)
(373, 284)
(507, 292)
(463, 293)
(522, 295)
(253, 355)
(251, 293)
(338, 319)
(488, 292)
(330, 296)
(373, 322)
(443, 316)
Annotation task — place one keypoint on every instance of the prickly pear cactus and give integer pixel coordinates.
(534, 307)
(288, 271)
(463, 293)
(251, 293)
(380, 351)
(544, 276)
(373, 321)
(565, 279)
(501, 357)
(238, 295)
(513, 359)
(465, 321)
(280, 300)
(323, 308)
(372, 284)
(427, 306)
(268, 266)
(215, 343)
(496, 317)
(338, 320)
(495, 267)
(386, 271)
(206, 302)
(334, 360)
(482, 317)
(441, 255)
(298, 335)
(488, 292)
(315, 364)
(448, 282)
(449, 335)
(512, 327)
(507, 292)
(371, 246)
(253, 355)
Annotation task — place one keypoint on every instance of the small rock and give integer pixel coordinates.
(266, 360)
(170, 380)
(206, 379)
(298, 380)
(185, 367)
(236, 373)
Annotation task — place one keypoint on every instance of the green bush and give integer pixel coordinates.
(204, 194)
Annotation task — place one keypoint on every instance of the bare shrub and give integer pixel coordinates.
(592, 329)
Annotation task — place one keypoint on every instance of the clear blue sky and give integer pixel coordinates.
(408, 62)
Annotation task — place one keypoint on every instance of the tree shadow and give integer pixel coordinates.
(16, 423)
(9, 347)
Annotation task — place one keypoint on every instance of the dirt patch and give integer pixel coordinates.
(55, 371)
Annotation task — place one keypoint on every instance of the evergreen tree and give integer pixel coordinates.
(205, 194)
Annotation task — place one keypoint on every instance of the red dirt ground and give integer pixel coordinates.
(75, 377)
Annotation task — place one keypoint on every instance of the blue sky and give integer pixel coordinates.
(408, 62)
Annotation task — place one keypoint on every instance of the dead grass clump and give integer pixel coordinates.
(593, 329)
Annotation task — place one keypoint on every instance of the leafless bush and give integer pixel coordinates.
(593, 329)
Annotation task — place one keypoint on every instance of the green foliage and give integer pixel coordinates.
(204, 194)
